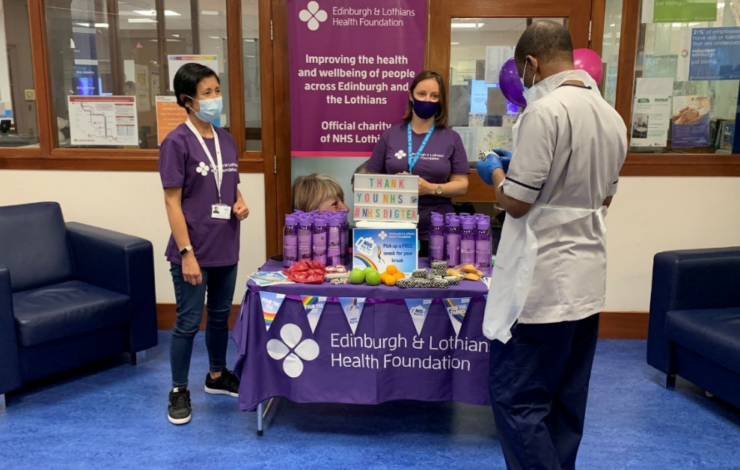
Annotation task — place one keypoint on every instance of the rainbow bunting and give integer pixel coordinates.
(271, 303)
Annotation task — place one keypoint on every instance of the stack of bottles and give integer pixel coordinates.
(463, 239)
(319, 237)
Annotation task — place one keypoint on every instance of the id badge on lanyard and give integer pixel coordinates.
(220, 210)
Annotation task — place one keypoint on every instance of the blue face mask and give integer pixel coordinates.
(425, 109)
(210, 110)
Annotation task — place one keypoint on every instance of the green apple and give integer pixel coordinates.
(357, 276)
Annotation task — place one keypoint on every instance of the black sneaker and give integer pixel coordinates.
(179, 411)
(226, 384)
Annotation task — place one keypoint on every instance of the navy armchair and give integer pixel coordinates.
(70, 294)
(694, 329)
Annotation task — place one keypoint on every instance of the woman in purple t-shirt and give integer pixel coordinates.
(200, 175)
(423, 145)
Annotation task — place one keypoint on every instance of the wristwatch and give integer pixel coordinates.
(185, 250)
(438, 191)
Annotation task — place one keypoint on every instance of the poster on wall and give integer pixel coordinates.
(715, 54)
(495, 58)
(174, 62)
(142, 88)
(678, 11)
(169, 116)
(103, 120)
(351, 63)
(651, 118)
(155, 86)
(691, 116)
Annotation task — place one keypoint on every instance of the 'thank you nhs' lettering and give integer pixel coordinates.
(351, 63)
(386, 197)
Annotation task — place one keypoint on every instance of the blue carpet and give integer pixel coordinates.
(113, 415)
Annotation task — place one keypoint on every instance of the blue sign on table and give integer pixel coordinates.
(715, 54)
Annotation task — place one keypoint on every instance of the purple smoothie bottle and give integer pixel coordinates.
(305, 236)
(319, 240)
(290, 241)
(483, 245)
(454, 237)
(437, 238)
(334, 249)
(467, 244)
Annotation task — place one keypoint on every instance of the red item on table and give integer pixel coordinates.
(306, 272)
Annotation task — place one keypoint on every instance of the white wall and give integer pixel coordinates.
(133, 203)
(650, 215)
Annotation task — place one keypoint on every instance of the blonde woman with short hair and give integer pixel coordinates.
(318, 192)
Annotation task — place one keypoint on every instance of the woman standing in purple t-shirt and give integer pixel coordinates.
(423, 145)
(200, 175)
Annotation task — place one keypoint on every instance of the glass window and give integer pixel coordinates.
(18, 121)
(109, 61)
(687, 77)
(252, 93)
(478, 110)
(610, 48)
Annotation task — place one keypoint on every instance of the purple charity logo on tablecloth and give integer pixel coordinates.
(457, 309)
(418, 309)
(351, 62)
(314, 306)
(270, 305)
(352, 307)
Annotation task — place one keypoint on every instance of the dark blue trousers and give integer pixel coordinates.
(539, 387)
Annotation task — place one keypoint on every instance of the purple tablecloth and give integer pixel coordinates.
(385, 359)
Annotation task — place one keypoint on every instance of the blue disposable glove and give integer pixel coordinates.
(505, 156)
(486, 167)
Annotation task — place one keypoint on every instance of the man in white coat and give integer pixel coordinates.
(549, 282)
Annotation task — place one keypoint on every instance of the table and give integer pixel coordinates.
(385, 359)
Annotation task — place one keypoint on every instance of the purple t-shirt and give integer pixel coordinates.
(444, 155)
(184, 164)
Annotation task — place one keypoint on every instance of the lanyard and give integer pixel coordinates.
(218, 173)
(414, 158)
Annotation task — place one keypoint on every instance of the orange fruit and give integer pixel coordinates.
(390, 281)
(399, 275)
(384, 278)
(392, 269)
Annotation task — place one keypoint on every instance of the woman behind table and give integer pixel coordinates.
(200, 175)
(318, 192)
(423, 145)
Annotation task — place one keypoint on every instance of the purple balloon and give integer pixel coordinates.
(511, 84)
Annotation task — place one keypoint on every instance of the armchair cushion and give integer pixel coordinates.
(66, 309)
(34, 245)
(711, 333)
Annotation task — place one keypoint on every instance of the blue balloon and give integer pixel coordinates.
(511, 84)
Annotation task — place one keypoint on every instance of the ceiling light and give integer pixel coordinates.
(467, 25)
(454, 43)
(249, 40)
(175, 35)
(720, 5)
(101, 25)
(141, 20)
(154, 13)
(612, 25)
(209, 13)
(214, 37)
